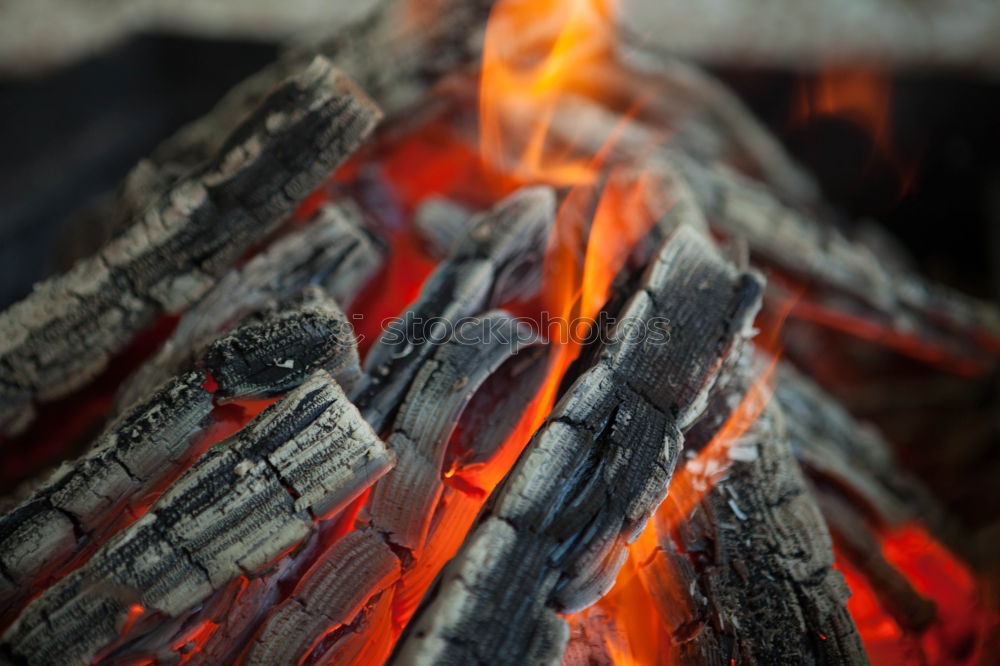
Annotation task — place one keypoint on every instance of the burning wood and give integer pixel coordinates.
(746, 569)
(64, 333)
(243, 508)
(554, 540)
(244, 503)
(498, 260)
(402, 504)
(147, 448)
(335, 250)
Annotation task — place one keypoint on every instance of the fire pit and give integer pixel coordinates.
(481, 333)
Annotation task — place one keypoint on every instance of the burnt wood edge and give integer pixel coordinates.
(65, 331)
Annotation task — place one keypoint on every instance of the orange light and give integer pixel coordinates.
(963, 620)
(628, 617)
(535, 52)
(134, 611)
(863, 97)
(859, 95)
(192, 641)
(903, 342)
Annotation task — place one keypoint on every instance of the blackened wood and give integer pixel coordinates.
(798, 243)
(499, 260)
(334, 251)
(64, 332)
(330, 595)
(402, 504)
(746, 575)
(861, 488)
(590, 478)
(851, 455)
(150, 444)
(268, 357)
(243, 504)
(46, 530)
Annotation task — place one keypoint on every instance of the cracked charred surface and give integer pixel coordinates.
(334, 251)
(862, 490)
(799, 243)
(402, 505)
(243, 504)
(500, 259)
(555, 537)
(65, 331)
(747, 574)
(152, 443)
(279, 350)
(852, 456)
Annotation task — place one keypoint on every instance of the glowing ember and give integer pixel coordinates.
(584, 254)
(862, 97)
(962, 622)
(536, 55)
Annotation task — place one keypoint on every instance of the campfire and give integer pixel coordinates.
(475, 333)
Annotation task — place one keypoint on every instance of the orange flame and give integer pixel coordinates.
(533, 54)
(580, 266)
(627, 618)
(863, 97)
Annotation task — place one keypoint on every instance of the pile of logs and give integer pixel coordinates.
(259, 495)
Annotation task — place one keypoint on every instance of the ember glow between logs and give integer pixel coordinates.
(538, 57)
(583, 257)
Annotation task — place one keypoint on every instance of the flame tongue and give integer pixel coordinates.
(534, 54)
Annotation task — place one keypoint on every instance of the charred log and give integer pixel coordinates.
(554, 539)
(63, 334)
(746, 575)
(243, 504)
(335, 251)
(498, 260)
(149, 445)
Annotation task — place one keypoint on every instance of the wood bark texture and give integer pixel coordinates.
(554, 539)
(500, 259)
(65, 331)
(334, 251)
(747, 575)
(242, 505)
